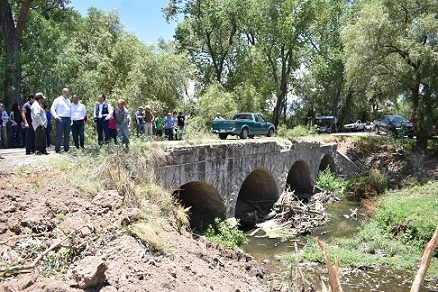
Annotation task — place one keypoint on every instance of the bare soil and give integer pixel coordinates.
(97, 252)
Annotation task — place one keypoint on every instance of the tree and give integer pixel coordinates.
(13, 19)
(208, 34)
(392, 45)
(278, 29)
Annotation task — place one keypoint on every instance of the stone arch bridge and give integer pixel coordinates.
(228, 179)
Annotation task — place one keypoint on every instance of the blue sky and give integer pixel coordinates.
(143, 18)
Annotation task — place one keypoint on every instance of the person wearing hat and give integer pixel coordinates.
(39, 124)
(4, 118)
(139, 119)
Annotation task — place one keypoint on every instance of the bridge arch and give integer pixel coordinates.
(299, 179)
(256, 197)
(327, 161)
(205, 202)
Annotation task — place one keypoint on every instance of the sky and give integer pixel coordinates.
(143, 18)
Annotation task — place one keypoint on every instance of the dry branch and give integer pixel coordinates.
(335, 285)
(38, 258)
(425, 261)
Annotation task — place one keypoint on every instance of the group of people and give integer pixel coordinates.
(151, 125)
(34, 122)
(70, 116)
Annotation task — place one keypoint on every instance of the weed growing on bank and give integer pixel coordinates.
(327, 180)
(223, 233)
(395, 236)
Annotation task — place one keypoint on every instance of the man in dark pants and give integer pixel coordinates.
(61, 111)
(79, 118)
(49, 124)
(39, 124)
(29, 132)
(102, 113)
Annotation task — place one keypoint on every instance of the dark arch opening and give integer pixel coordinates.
(327, 161)
(205, 203)
(256, 197)
(299, 180)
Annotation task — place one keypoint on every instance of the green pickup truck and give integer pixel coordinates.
(243, 125)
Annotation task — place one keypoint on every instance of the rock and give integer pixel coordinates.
(108, 199)
(89, 272)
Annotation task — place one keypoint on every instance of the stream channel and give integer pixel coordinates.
(366, 279)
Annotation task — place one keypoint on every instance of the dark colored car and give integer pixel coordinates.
(396, 126)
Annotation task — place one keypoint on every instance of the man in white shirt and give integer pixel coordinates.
(61, 111)
(39, 124)
(79, 118)
(102, 113)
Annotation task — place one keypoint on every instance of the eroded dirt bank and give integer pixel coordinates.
(92, 246)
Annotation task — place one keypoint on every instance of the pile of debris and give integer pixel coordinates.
(291, 217)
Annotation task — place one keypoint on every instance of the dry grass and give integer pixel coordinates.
(148, 235)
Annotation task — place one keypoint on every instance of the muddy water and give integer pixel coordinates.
(341, 224)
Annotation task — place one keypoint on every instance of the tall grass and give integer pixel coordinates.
(395, 236)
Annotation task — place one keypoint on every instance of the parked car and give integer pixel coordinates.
(369, 126)
(394, 125)
(355, 126)
(243, 125)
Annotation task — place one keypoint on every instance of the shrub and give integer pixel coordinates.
(223, 233)
(285, 132)
(328, 181)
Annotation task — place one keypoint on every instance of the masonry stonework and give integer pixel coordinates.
(226, 166)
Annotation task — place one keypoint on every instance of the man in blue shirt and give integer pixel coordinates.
(168, 126)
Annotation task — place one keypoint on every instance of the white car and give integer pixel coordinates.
(369, 126)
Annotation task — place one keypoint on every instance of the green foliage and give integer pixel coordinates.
(298, 131)
(328, 181)
(215, 99)
(369, 185)
(221, 232)
(410, 215)
(395, 236)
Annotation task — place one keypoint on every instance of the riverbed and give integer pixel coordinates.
(344, 222)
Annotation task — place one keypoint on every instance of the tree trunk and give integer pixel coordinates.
(13, 72)
(12, 32)
(417, 117)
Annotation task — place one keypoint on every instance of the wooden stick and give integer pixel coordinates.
(425, 262)
(38, 258)
(333, 275)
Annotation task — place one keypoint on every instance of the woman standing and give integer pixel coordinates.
(16, 128)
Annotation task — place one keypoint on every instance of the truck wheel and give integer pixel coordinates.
(270, 132)
(244, 133)
(223, 136)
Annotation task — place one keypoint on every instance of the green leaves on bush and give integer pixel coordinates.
(223, 233)
(328, 181)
